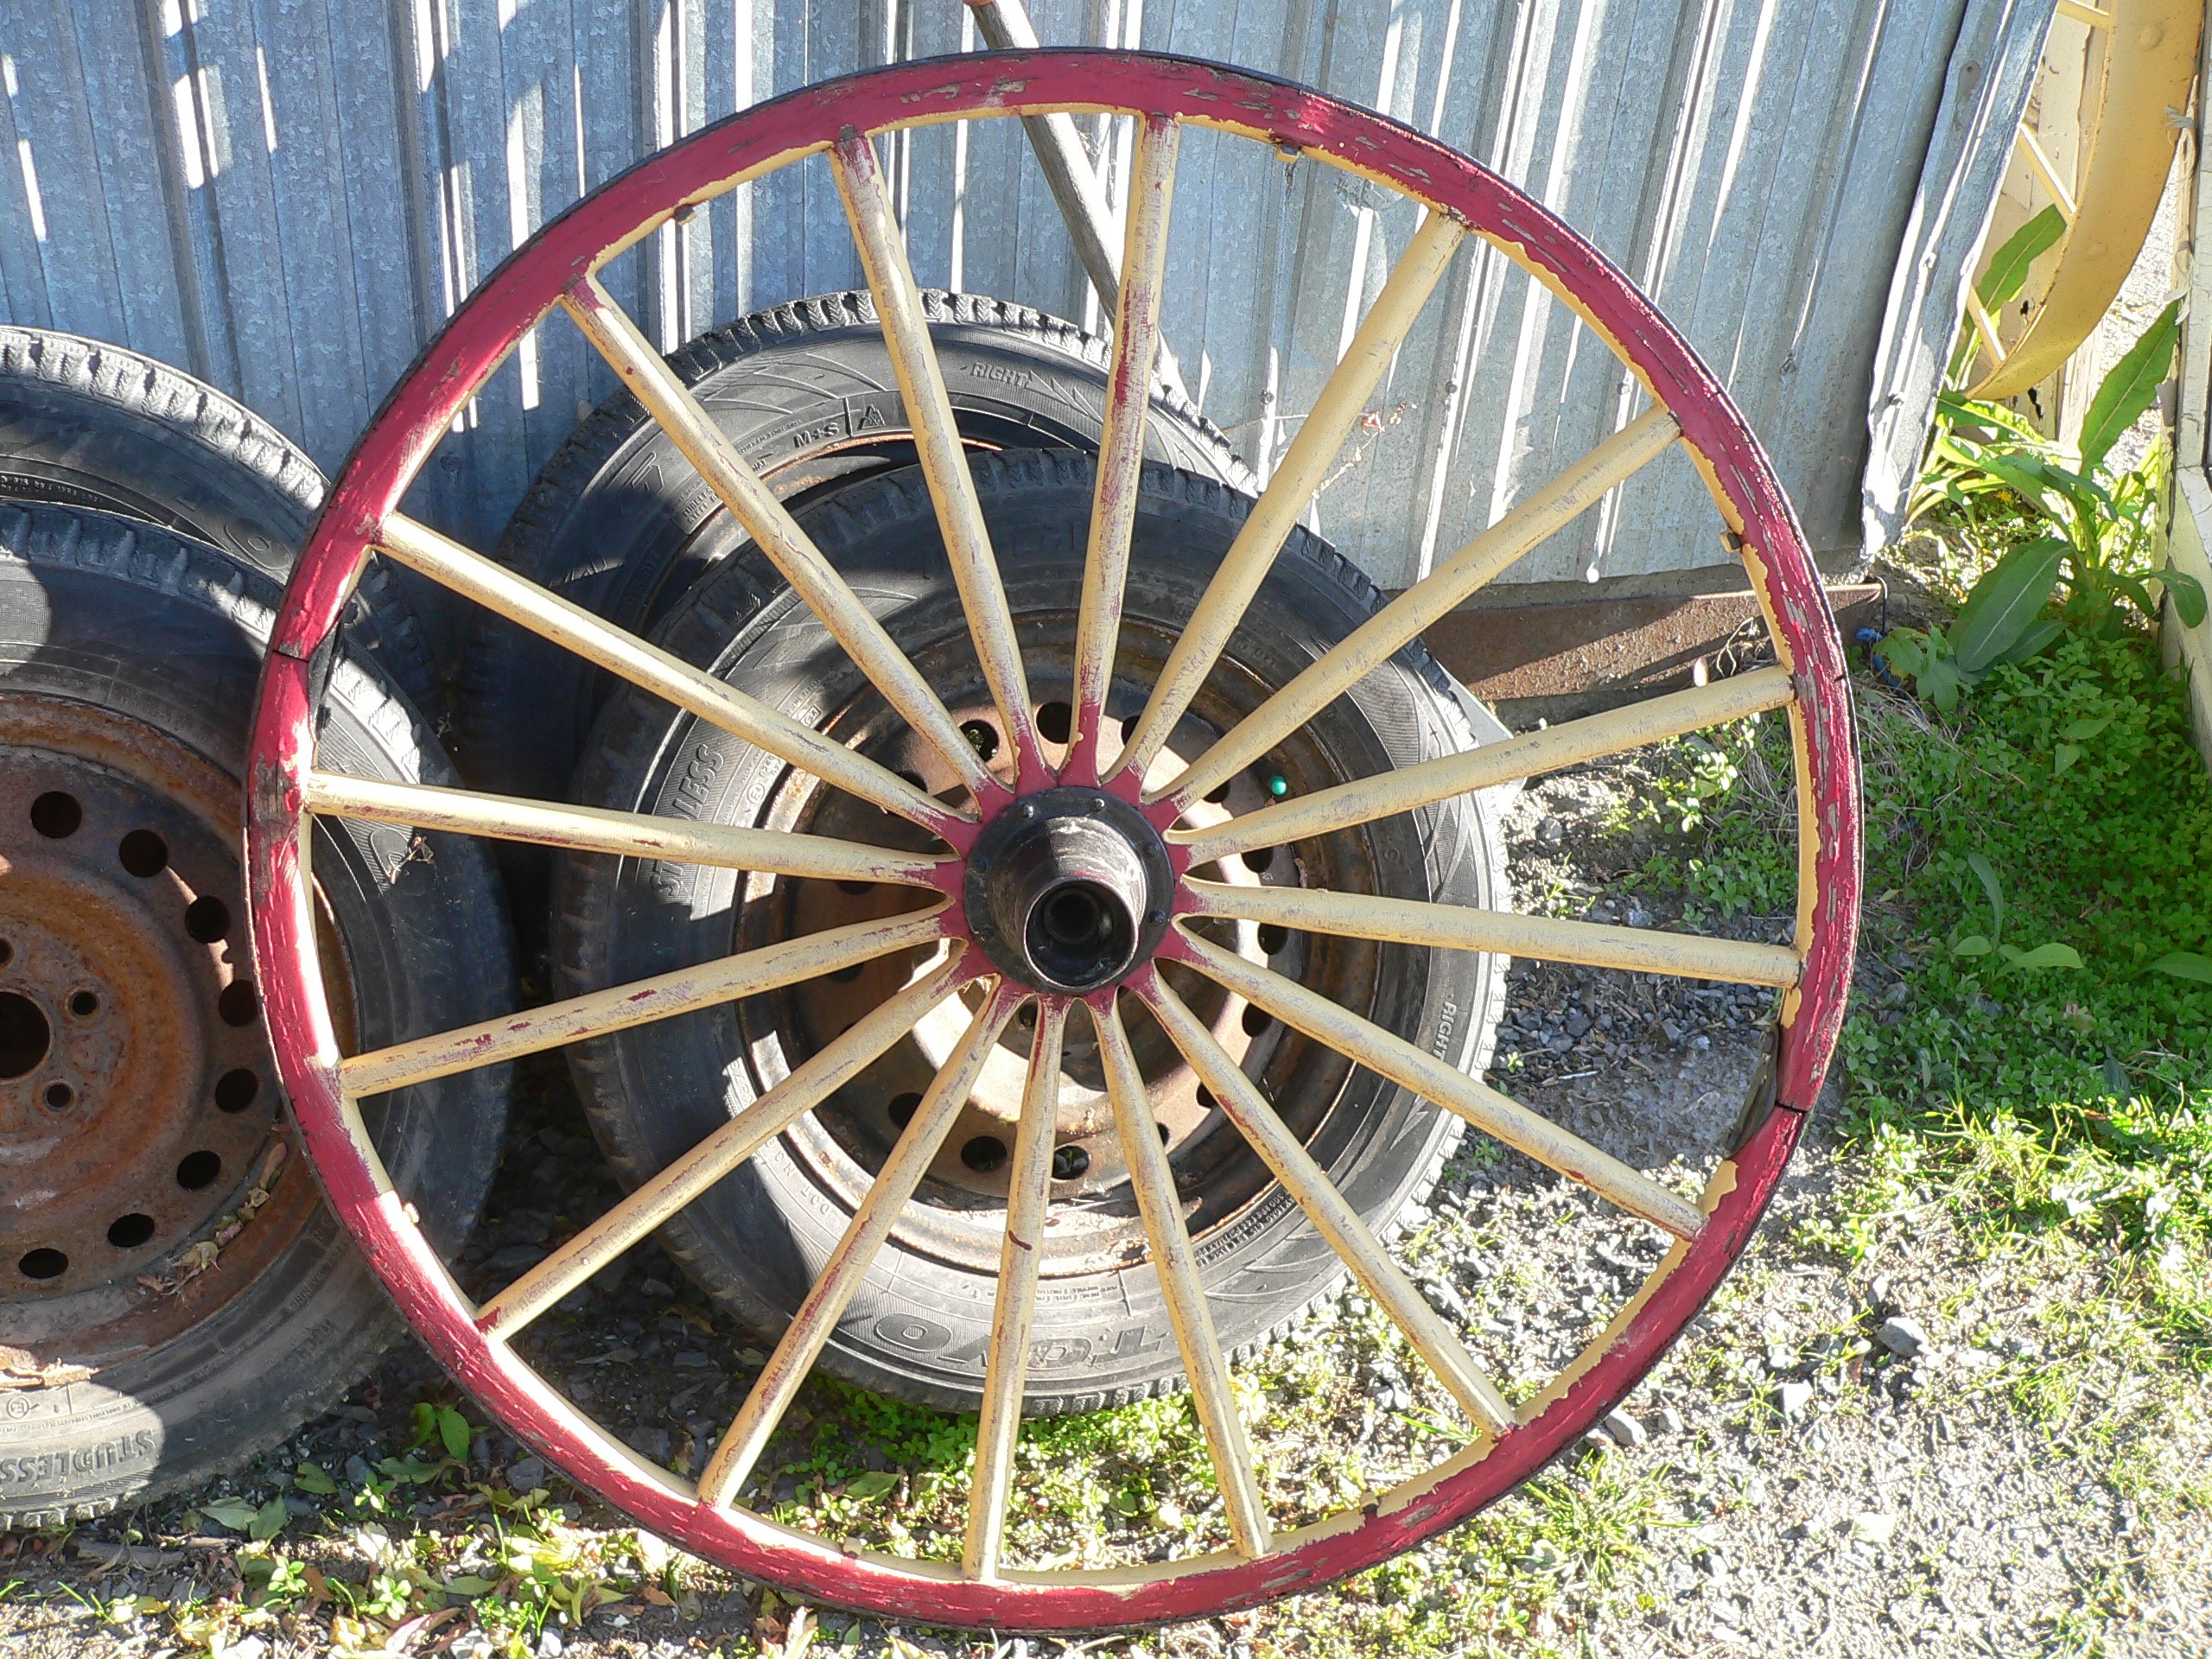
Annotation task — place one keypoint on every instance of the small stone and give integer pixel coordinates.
(1670, 1420)
(1794, 1398)
(1561, 1044)
(1578, 1023)
(1902, 1335)
(656, 1288)
(1780, 1358)
(1553, 831)
(526, 1475)
(358, 1470)
(1624, 1428)
(1755, 1492)
(1870, 1527)
(513, 1259)
(471, 1645)
(548, 1645)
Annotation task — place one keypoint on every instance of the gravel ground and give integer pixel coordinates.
(1931, 1454)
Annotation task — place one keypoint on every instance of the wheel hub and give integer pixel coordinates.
(1066, 889)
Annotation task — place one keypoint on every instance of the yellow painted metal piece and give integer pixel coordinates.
(2140, 63)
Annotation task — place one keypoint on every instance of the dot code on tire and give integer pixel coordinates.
(144, 854)
(56, 816)
(199, 1169)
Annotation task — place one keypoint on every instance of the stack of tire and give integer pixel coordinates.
(149, 522)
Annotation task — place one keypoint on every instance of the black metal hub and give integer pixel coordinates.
(1067, 889)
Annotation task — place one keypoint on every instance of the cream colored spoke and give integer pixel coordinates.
(1572, 492)
(1332, 1218)
(1120, 443)
(754, 504)
(1365, 799)
(639, 1002)
(1029, 1189)
(1495, 1114)
(1293, 483)
(811, 1326)
(492, 585)
(1161, 1207)
(664, 1196)
(936, 434)
(1464, 927)
(596, 829)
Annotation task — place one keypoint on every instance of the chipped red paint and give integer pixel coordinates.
(489, 325)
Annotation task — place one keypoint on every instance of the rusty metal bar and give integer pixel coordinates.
(810, 1327)
(1578, 740)
(1496, 1115)
(1462, 927)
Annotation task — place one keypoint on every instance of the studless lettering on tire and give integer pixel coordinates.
(1057, 1352)
(139, 1446)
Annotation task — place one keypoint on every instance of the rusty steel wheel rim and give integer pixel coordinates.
(1505, 1439)
(137, 1094)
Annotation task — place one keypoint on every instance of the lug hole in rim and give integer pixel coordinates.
(196, 1170)
(1054, 721)
(982, 739)
(144, 854)
(83, 1005)
(238, 1003)
(60, 1097)
(1070, 1163)
(235, 1089)
(129, 1232)
(983, 1154)
(902, 1107)
(208, 920)
(25, 1037)
(56, 815)
(44, 1262)
(7, 953)
(1256, 1020)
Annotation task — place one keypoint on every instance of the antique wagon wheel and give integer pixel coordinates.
(1020, 910)
(2094, 151)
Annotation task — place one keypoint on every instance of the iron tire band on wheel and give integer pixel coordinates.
(1812, 671)
(163, 633)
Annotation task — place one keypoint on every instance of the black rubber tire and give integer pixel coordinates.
(917, 1327)
(619, 523)
(83, 423)
(141, 621)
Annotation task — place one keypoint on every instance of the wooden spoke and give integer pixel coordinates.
(1120, 443)
(2047, 175)
(810, 1327)
(492, 585)
(1462, 927)
(754, 504)
(2094, 17)
(1986, 326)
(1332, 1218)
(1161, 1208)
(641, 1001)
(655, 1201)
(1494, 1114)
(1576, 741)
(595, 830)
(936, 434)
(1368, 647)
(1293, 483)
(1029, 1188)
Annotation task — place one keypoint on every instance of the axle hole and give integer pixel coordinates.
(43, 1263)
(129, 1232)
(982, 739)
(1256, 1020)
(198, 1169)
(238, 1004)
(235, 1089)
(983, 1154)
(902, 1107)
(24, 1034)
(56, 816)
(1054, 721)
(60, 1097)
(208, 920)
(144, 854)
(1070, 1163)
(83, 1005)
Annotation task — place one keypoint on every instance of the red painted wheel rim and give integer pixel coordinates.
(476, 340)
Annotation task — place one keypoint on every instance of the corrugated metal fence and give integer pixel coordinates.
(288, 196)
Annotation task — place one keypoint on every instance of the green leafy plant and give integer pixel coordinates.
(2078, 533)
